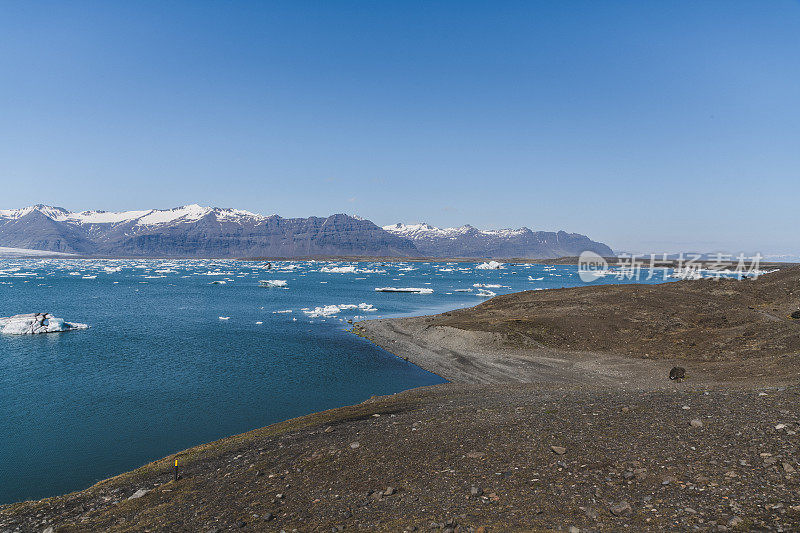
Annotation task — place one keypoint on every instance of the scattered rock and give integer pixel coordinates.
(796, 314)
(696, 423)
(678, 373)
(476, 491)
(389, 491)
(355, 445)
(788, 468)
(735, 521)
(622, 508)
(559, 450)
(138, 494)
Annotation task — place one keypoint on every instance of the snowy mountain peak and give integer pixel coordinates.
(469, 241)
(149, 217)
(56, 213)
(422, 230)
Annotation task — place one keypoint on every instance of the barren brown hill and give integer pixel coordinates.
(707, 319)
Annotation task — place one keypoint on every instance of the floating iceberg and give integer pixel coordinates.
(31, 323)
(404, 289)
(490, 286)
(333, 310)
(272, 282)
(531, 278)
(686, 274)
(483, 293)
(339, 270)
(491, 265)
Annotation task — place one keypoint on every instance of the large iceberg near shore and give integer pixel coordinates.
(31, 323)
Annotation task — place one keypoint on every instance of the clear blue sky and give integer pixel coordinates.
(659, 125)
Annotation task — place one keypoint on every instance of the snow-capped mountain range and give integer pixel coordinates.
(151, 217)
(196, 231)
(468, 241)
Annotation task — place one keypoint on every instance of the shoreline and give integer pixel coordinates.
(469, 357)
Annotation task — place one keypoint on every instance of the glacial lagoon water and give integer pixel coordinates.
(184, 352)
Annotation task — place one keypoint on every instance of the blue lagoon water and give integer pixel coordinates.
(159, 371)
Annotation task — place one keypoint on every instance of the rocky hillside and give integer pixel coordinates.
(468, 241)
(470, 459)
(195, 231)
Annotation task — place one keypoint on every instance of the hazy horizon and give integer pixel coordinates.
(647, 127)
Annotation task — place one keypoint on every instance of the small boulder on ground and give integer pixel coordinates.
(678, 373)
(622, 508)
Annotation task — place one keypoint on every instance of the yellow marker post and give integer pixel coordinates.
(176, 469)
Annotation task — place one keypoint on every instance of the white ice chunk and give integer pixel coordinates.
(491, 265)
(333, 310)
(339, 270)
(32, 323)
(405, 289)
(272, 282)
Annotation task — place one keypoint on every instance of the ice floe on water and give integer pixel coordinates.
(417, 290)
(339, 269)
(32, 323)
(333, 310)
(490, 286)
(272, 283)
(491, 265)
(484, 293)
